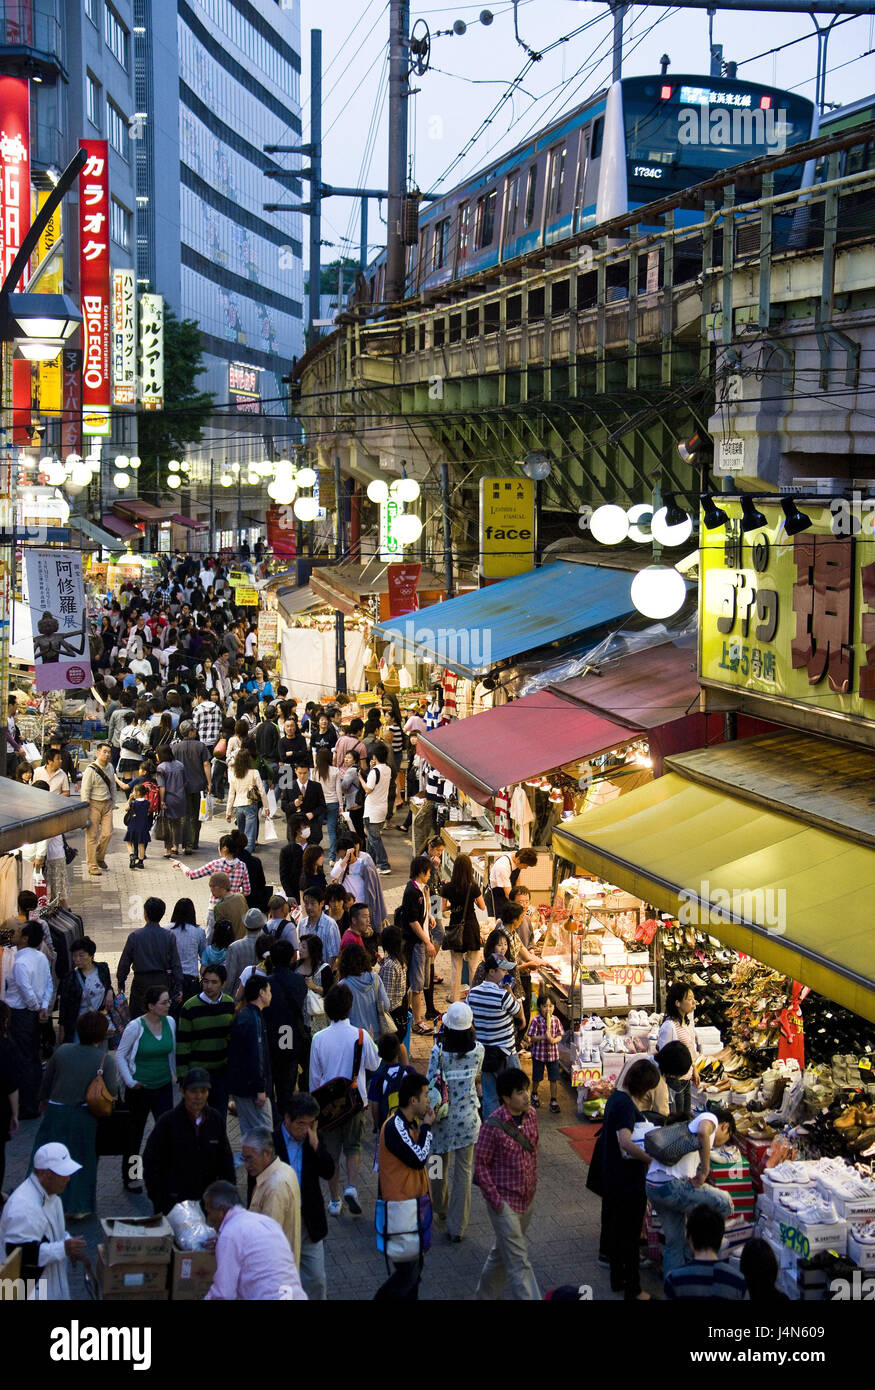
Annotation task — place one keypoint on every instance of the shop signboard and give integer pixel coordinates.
(239, 579)
(244, 392)
(152, 351)
(791, 619)
(246, 598)
(71, 385)
(281, 531)
(268, 632)
(55, 593)
(625, 974)
(403, 581)
(94, 285)
(390, 546)
(124, 338)
(507, 527)
(14, 223)
(50, 374)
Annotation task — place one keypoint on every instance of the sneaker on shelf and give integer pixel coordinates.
(351, 1198)
(335, 1208)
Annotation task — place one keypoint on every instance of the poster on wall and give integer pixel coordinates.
(95, 287)
(124, 338)
(152, 350)
(55, 594)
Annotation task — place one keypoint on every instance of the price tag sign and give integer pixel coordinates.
(239, 579)
(582, 1076)
(865, 1064)
(794, 1239)
(628, 975)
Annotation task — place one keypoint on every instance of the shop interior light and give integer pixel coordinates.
(306, 508)
(378, 491)
(658, 591)
(795, 521)
(671, 525)
(122, 480)
(713, 517)
(609, 524)
(306, 477)
(407, 527)
(751, 518)
(640, 517)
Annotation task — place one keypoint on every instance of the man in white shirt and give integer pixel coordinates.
(33, 1218)
(50, 857)
(504, 874)
(332, 1054)
(376, 785)
(254, 1261)
(29, 996)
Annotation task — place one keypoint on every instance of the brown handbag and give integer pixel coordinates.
(98, 1099)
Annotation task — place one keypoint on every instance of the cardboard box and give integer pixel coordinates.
(862, 1255)
(129, 1278)
(807, 1239)
(191, 1272)
(765, 1206)
(776, 1189)
(637, 958)
(848, 1208)
(151, 1246)
(613, 1063)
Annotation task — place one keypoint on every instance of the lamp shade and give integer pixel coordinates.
(53, 317)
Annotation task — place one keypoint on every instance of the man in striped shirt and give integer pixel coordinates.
(238, 874)
(207, 720)
(204, 1032)
(706, 1276)
(495, 1008)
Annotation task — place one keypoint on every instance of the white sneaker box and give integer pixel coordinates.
(848, 1208)
(806, 1239)
(862, 1254)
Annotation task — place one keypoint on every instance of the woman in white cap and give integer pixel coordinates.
(456, 1057)
(33, 1218)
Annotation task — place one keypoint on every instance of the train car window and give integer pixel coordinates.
(484, 220)
(440, 244)
(511, 205)
(464, 229)
(531, 194)
(557, 181)
(598, 131)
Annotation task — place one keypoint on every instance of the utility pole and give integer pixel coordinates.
(618, 10)
(399, 66)
(339, 626)
(212, 506)
(448, 532)
(315, 184)
(363, 238)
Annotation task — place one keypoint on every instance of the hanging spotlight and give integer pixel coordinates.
(796, 521)
(712, 515)
(690, 449)
(609, 525)
(658, 591)
(306, 477)
(378, 491)
(671, 525)
(306, 508)
(751, 519)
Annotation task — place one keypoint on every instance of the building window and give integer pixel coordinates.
(91, 10)
(441, 243)
(117, 129)
(92, 100)
(464, 229)
(120, 224)
(484, 220)
(116, 36)
(531, 194)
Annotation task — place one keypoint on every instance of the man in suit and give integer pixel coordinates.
(287, 1034)
(305, 798)
(297, 1142)
(249, 1078)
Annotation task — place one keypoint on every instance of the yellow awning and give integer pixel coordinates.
(796, 897)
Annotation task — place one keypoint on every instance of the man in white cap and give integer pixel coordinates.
(33, 1218)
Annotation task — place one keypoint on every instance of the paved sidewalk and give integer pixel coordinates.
(564, 1231)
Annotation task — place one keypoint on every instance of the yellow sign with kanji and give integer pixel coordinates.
(507, 527)
(246, 598)
(49, 374)
(239, 579)
(792, 617)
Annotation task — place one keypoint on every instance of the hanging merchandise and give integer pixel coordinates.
(791, 1042)
(521, 815)
(450, 682)
(503, 827)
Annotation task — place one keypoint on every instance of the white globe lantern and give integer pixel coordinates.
(264, 469)
(45, 463)
(71, 460)
(407, 489)
(122, 461)
(282, 490)
(135, 460)
(185, 466)
(93, 461)
(173, 466)
(226, 480)
(81, 474)
(378, 491)
(284, 466)
(173, 480)
(55, 473)
(306, 508)
(609, 525)
(640, 517)
(407, 527)
(121, 480)
(670, 535)
(306, 477)
(252, 477)
(63, 507)
(74, 489)
(658, 591)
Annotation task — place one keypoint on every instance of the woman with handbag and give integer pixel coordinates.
(66, 1100)
(370, 1002)
(245, 794)
(624, 1170)
(460, 897)
(147, 1065)
(86, 989)
(454, 1071)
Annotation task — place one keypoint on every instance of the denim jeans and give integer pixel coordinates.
(332, 810)
(376, 848)
(489, 1079)
(672, 1201)
(247, 821)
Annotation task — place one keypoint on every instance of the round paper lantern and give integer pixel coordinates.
(609, 524)
(670, 535)
(658, 591)
(378, 491)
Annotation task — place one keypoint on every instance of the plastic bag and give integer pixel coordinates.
(271, 802)
(270, 834)
(207, 807)
(190, 1229)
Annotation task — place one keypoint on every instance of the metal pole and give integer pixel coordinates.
(316, 183)
(399, 63)
(339, 624)
(363, 237)
(618, 11)
(239, 510)
(212, 506)
(448, 533)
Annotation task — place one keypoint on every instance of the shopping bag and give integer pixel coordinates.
(31, 752)
(269, 831)
(207, 806)
(271, 803)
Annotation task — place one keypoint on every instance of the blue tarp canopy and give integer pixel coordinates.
(477, 631)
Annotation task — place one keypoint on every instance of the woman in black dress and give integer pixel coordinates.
(461, 896)
(9, 1078)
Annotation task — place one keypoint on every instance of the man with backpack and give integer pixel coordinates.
(405, 1148)
(340, 1057)
(153, 955)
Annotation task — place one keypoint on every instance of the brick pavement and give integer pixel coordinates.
(564, 1232)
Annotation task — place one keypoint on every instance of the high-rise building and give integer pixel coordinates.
(216, 81)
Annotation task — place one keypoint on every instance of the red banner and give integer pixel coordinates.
(403, 580)
(94, 287)
(15, 222)
(281, 532)
(71, 408)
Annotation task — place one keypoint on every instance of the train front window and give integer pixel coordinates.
(680, 132)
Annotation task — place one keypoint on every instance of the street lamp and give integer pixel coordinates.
(38, 324)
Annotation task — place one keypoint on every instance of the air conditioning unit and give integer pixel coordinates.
(815, 487)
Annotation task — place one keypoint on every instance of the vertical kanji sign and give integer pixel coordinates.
(94, 285)
(15, 221)
(55, 595)
(152, 350)
(124, 338)
(71, 416)
(49, 394)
